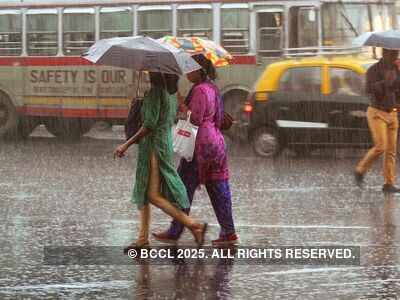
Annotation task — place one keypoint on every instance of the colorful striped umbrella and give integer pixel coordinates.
(195, 45)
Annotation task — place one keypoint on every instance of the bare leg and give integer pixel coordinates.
(145, 217)
(158, 200)
(144, 228)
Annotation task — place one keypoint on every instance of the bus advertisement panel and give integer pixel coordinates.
(44, 80)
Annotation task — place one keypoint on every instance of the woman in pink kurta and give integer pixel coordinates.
(207, 113)
(209, 166)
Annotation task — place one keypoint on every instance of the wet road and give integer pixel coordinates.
(55, 193)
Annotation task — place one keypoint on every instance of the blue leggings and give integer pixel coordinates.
(220, 196)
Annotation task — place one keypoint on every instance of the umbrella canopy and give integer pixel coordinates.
(195, 45)
(389, 39)
(141, 54)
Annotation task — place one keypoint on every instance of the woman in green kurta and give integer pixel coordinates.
(157, 180)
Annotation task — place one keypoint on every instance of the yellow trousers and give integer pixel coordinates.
(383, 126)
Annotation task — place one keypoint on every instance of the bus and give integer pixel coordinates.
(44, 79)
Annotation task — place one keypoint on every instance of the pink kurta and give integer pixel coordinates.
(210, 153)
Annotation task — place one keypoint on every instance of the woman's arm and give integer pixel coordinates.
(151, 113)
(198, 106)
(121, 149)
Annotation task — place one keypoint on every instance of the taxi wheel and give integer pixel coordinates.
(266, 142)
(8, 115)
(69, 129)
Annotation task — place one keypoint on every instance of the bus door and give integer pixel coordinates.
(303, 27)
(270, 31)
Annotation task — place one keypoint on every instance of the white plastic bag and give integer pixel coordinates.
(184, 138)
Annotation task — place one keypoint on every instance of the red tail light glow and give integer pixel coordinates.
(248, 108)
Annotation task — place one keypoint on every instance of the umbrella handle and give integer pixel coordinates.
(139, 80)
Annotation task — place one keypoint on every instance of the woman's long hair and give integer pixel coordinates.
(165, 81)
(208, 70)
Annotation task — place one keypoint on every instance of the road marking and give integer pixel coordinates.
(261, 225)
(77, 285)
(319, 188)
(360, 282)
(307, 270)
(296, 124)
(322, 270)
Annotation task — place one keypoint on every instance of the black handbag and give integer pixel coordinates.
(227, 122)
(135, 119)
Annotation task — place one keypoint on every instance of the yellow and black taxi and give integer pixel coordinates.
(309, 103)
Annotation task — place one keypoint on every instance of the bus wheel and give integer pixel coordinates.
(68, 128)
(8, 115)
(234, 101)
(265, 141)
(25, 127)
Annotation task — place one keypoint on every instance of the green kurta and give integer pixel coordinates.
(159, 112)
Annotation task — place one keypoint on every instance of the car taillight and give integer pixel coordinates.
(248, 108)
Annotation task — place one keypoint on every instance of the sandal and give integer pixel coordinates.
(165, 237)
(136, 246)
(199, 233)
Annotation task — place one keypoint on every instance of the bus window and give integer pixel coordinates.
(155, 21)
(270, 32)
(41, 30)
(115, 22)
(79, 30)
(307, 27)
(195, 20)
(303, 27)
(382, 19)
(235, 28)
(10, 32)
(341, 22)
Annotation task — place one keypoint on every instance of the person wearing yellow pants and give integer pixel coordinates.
(383, 87)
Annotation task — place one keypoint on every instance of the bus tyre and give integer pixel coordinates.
(266, 142)
(8, 115)
(68, 128)
(25, 127)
